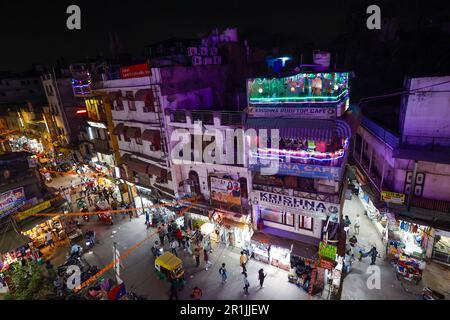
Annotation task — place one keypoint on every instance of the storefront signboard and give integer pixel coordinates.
(302, 170)
(302, 112)
(308, 207)
(135, 71)
(326, 264)
(35, 209)
(11, 200)
(226, 191)
(393, 197)
(327, 251)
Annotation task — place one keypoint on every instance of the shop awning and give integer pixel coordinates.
(154, 170)
(304, 250)
(11, 240)
(119, 129)
(235, 224)
(153, 136)
(132, 132)
(319, 130)
(134, 164)
(425, 217)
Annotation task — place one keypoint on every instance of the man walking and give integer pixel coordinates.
(173, 247)
(243, 261)
(246, 284)
(373, 255)
(173, 290)
(206, 258)
(223, 273)
(261, 277)
(197, 256)
(357, 224)
(161, 235)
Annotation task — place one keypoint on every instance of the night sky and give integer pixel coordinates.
(35, 31)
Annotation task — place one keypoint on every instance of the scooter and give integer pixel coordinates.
(430, 294)
(90, 239)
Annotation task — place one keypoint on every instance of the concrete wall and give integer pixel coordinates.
(427, 114)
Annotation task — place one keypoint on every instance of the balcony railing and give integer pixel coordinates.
(430, 204)
(390, 138)
(207, 117)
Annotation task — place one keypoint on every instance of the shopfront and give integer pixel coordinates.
(233, 230)
(441, 247)
(24, 143)
(53, 227)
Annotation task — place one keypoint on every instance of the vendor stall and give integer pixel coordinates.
(53, 226)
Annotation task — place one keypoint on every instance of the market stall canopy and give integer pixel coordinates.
(425, 217)
(318, 130)
(10, 239)
(119, 129)
(134, 164)
(152, 136)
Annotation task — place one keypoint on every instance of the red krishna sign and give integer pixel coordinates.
(135, 71)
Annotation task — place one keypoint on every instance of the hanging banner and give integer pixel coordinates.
(327, 251)
(11, 201)
(301, 170)
(308, 207)
(226, 191)
(393, 197)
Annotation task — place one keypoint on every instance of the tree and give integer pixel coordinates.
(28, 282)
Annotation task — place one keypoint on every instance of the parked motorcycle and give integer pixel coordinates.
(90, 239)
(430, 294)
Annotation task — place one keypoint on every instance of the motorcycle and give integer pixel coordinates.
(430, 294)
(90, 239)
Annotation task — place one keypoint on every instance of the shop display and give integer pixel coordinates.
(260, 251)
(38, 233)
(441, 249)
(409, 269)
(280, 257)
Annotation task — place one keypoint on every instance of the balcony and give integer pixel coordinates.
(277, 185)
(207, 117)
(102, 146)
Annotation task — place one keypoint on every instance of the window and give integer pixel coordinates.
(139, 140)
(119, 137)
(305, 222)
(290, 219)
(149, 105)
(131, 103)
(118, 101)
(272, 215)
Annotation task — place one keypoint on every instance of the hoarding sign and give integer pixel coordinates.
(35, 209)
(327, 251)
(308, 207)
(303, 170)
(301, 112)
(326, 264)
(393, 197)
(11, 201)
(226, 190)
(135, 71)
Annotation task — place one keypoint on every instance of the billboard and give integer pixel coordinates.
(11, 200)
(135, 71)
(393, 197)
(225, 191)
(302, 112)
(307, 207)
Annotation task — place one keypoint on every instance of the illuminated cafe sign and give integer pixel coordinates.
(301, 112)
(300, 170)
(308, 207)
(97, 124)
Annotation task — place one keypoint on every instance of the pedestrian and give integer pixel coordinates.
(197, 256)
(130, 213)
(206, 258)
(357, 224)
(147, 219)
(49, 239)
(188, 245)
(223, 273)
(173, 247)
(243, 261)
(261, 277)
(246, 284)
(173, 290)
(197, 293)
(373, 255)
(179, 237)
(161, 234)
(347, 224)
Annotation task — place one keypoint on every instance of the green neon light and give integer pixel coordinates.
(301, 98)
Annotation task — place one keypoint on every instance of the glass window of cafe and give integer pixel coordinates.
(441, 248)
(286, 218)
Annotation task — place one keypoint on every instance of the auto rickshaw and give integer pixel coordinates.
(170, 267)
(104, 216)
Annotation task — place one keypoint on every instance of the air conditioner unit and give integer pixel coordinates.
(217, 60)
(207, 60)
(204, 51)
(192, 51)
(214, 51)
(196, 60)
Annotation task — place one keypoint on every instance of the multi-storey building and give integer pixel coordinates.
(403, 168)
(67, 112)
(298, 152)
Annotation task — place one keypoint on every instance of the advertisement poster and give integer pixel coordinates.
(226, 191)
(136, 71)
(11, 201)
(393, 197)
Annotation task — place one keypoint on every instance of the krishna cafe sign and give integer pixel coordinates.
(308, 207)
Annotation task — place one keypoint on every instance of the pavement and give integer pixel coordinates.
(355, 283)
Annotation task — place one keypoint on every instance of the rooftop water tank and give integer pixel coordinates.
(322, 59)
